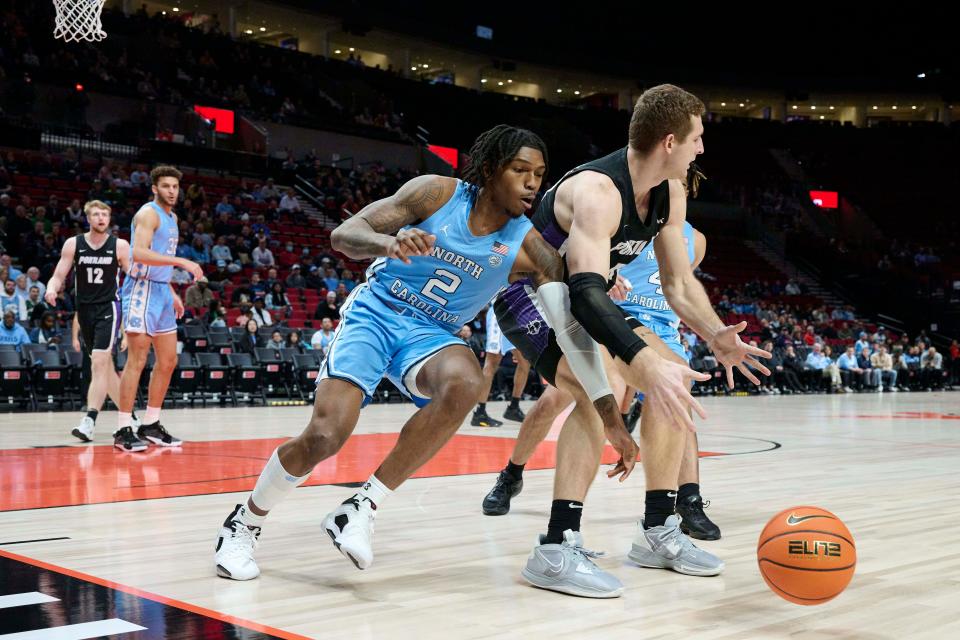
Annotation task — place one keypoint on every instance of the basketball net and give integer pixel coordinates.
(79, 20)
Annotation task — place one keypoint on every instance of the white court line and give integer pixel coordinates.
(77, 631)
(21, 599)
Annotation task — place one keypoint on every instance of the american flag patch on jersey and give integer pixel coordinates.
(502, 249)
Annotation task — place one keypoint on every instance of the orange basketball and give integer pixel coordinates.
(806, 555)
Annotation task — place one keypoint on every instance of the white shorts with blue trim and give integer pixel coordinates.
(376, 340)
(148, 307)
(496, 341)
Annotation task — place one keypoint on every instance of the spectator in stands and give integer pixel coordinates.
(792, 370)
(218, 279)
(224, 206)
(221, 251)
(215, 315)
(328, 308)
(268, 192)
(295, 341)
(10, 331)
(199, 252)
(47, 332)
(243, 293)
(277, 299)
(276, 341)
(850, 371)
(260, 313)
(346, 279)
(199, 295)
(466, 334)
(832, 371)
(246, 314)
(862, 343)
(816, 367)
(260, 228)
(871, 375)
(33, 280)
(288, 256)
(331, 280)
(257, 285)
(180, 277)
(140, 178)
(32, 301)
(295, 280)
(882, 361)
(262, 256)
(289, 203)
(931, 369)
(313, 279)
(9, 298)
(321, 339)
(250, 340)
(792, 289)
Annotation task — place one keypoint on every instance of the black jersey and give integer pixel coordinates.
(633, 235)
(97, 271)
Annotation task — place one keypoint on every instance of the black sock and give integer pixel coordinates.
(660, 505)
(133, 414)
(687, 490)
(92, 414)
(564, 514)
(514, 403)
(514, 470)
(481, 407)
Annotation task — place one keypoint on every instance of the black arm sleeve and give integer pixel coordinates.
(601, 317)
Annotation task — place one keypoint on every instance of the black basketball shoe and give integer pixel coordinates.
(481, 419)
(126, 441)
(156, 434)
(694, 522)
(497, 502)
(514, 413)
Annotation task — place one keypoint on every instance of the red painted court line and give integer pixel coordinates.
(43, 478)
(171, 602)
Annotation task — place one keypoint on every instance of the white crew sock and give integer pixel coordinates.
(375, 491)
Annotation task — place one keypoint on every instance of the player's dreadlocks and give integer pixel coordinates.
(694, 177)
(495, 148)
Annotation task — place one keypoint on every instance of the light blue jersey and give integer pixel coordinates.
(392, 325)
(164, 241)
(646, 302)
(463, 273)
(146, 295)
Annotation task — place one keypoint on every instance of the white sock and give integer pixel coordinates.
(123, 420)
(152, 415)
(375, 491)
(273, 485)
(249, 518)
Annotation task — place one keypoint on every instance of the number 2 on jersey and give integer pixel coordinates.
(446, 282)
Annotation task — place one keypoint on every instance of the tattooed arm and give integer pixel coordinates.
(537, 261)
(376, 230)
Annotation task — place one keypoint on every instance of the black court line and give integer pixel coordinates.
(3, 544)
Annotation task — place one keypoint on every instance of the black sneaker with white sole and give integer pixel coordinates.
(126, 441)
(159, 436)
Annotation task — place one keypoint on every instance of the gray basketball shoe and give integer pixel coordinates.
(567, 567)
(665, 547)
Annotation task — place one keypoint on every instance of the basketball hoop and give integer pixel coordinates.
(79, 20)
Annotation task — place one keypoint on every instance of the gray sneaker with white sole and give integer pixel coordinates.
(665, 547)
(568, 568)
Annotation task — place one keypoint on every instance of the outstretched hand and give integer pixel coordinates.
(732, 352)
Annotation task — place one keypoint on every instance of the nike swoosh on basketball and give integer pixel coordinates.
(792, 520)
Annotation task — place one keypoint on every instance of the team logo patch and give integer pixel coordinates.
(134, 322)
(495, 261)
(500, 248)
(534, 327)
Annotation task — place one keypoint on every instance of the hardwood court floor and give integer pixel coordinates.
(135, 532)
